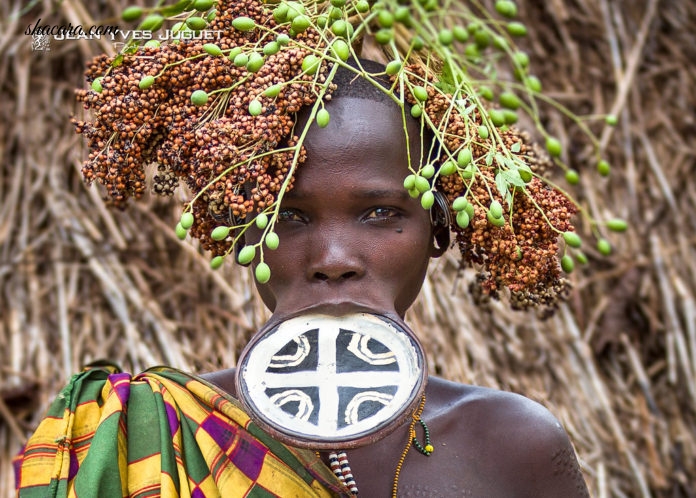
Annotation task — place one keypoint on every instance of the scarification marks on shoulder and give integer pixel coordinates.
(565, 464)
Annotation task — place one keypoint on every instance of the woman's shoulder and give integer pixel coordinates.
(509, 436)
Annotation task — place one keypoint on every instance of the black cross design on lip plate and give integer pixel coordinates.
(325, 377)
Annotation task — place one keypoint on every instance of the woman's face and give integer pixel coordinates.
(349, 232)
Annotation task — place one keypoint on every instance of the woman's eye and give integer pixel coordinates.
(382, 214)
(290, 215)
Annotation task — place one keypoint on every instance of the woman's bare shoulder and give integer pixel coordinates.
(508, 435)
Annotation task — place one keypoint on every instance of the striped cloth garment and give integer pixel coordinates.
(166, 433)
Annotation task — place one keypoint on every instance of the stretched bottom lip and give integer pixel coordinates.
(334, 309)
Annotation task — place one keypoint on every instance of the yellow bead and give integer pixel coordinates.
(429, 448)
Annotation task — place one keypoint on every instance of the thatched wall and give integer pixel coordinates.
(80, 282)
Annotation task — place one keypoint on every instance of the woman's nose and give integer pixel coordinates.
(335, 257)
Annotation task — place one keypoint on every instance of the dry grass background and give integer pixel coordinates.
(617, 365)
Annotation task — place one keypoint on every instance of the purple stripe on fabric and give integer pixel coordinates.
(121, 388)
(171, 418)
(248, 456)
(74, 465)
(197, 493)
(222, 432)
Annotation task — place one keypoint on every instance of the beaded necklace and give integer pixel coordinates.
(338, 461)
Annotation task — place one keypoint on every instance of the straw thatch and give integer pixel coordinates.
(617, 365)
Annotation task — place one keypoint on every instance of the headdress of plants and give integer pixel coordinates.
(219, 115)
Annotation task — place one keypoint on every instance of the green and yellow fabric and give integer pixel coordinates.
(109, 434)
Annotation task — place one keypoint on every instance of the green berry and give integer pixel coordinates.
(469, 208)
(611, 120)
(617, 225)
(246, 255)
(338, 3)
(186, 220)
(510, 116)
(567, 264)
(212, 49)
(482, 39)
(384, 36)
(243, 23)
(416, 111)
(496, 209)
(203, 5)
(506, 8)
(273, 90)
(522, 59)
(234, 53)
(199, 97)
(271, 48)
(448, 168)
(603, 168)
(283, 39)
(472, 52)
(497, 117)
(460, 34)
(262, 273)
(517, 29)
(410, 182)
(301, 23)
(417, 43)
(255, 107)
(216, 262)
(196, 23)
(323, 118)
(460, 204)
(525, 173)
(310, 64)
(427, 171)
(362, 6)
(445, 36)
(464, 157)
(483, 132)
(271, 240)
(241, 60)
(385, 19)
(152, 44)
(533, 83)
(462, 219)
(339, 27)
(553, 146)
(96, 84)
(486, 93)
(413, 193)
(280, 13)
(428, 199)
(604, 247)
(211, 15)
(255, 63)
(572, 239)
(131, 13)
(500, 43)
(420, 93)
(581, 258)
(422, 184)
(261, 221)
(340, 49)
(402, 14)
(180, 231)
(498, 222)
(509, 100)
(220, 233)
(393, 68)
(152, 23)
(572, 177)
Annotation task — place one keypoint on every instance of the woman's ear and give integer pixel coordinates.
(440, 221)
